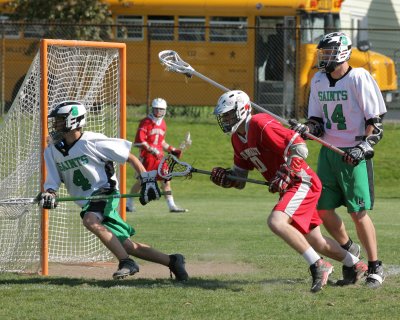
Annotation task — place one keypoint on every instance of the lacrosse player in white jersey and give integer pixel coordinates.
(346, 109)
(84, 162)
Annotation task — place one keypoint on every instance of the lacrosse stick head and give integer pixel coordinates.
(185, 144)
(173, 62)
(170, 167)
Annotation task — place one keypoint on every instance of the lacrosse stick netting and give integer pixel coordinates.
(170, 167)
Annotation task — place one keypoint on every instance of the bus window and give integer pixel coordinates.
(10, 31)
(130, 27)
(314, 26)
(192, 28)
(228, 29)
(161, 27)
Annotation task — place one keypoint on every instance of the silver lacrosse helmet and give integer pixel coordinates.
(66, 116)
(333, 49)
(232, 109)
(159, 108)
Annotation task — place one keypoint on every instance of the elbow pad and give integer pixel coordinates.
(377, 133)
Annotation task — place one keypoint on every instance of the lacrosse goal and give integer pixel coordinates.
(90, 72)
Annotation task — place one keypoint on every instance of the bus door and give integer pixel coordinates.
(275, 64)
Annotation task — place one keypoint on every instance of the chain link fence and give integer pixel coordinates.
(273, 62)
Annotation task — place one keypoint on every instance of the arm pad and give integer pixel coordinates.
(377, 133)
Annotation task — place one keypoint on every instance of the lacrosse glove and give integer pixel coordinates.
(149, 190)
(298, 127)
(220, 177)
(47, 200)
(155, 152)
(175, 152)
(358, 153)
(283, 178)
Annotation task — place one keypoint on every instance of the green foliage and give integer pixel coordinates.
(76, 15)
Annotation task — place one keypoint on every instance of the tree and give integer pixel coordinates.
(66, 19)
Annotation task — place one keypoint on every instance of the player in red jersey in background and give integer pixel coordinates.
(150, 138)
(261, 142)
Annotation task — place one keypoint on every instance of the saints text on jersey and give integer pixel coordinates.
(72, 163)
(338, 95)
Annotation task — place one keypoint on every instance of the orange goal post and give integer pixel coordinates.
(93, 73)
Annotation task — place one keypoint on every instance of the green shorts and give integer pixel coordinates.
(343, 184)
(112, 220)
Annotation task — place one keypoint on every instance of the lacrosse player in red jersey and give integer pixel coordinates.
(84, 162)
(346, 109)
(150, 138)
(261, 142)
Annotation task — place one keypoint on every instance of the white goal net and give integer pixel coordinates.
(87, 74)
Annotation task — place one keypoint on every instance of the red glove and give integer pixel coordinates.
(175, 152)
(219, 177)
(283, 178)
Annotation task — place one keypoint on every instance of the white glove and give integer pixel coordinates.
(47, 200)
(150, 190)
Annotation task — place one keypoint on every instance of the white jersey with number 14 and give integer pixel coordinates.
(346, 106)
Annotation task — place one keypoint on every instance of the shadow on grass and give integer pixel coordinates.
(206, 284)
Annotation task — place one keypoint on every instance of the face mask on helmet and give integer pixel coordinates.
(333, 50)
(66, 116)
(232, 109)
(159, 108)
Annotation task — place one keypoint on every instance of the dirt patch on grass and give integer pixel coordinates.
(104, 270)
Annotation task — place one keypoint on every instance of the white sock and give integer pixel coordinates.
(350, 260)
(129, 202)
(170, 201)
(311, 256)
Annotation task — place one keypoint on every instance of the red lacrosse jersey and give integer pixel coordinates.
(152, 133)
(266, 147)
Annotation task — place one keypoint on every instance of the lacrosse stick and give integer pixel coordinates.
(170, 167)
(173, 62)
(26, 201)
(185, 144)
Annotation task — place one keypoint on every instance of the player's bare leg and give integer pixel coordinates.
(130, 207)
(126, 266)
(320, 269)
(175, 262)
(166, 186)
(334, 225)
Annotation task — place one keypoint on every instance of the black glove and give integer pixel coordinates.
(220, 177)
(358, 153)
(149, 190)
(47, 200)
(300, 128)
(283, 178)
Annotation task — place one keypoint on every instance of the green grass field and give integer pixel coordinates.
(226, 227)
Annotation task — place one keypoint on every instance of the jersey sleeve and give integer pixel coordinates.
(314, 108)
(113, 149)
(53, 180)
(141, 134)
(370, 96)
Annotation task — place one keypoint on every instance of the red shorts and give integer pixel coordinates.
(300, 204)
(150, 163)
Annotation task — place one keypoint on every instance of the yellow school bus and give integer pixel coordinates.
(264, 47)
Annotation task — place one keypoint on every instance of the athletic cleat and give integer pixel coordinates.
(375, 277)
(177, 209)
(126, 267)
(355, 250)
(351, 275)
(177, 267)
(320, 272)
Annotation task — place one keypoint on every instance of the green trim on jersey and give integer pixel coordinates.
(112, 220)
(343, 184)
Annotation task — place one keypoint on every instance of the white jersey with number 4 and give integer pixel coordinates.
(87, 166)
(345, 106)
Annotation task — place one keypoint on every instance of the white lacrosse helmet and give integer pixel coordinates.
(333, 49)
(232, 109)
(159, 108)
(66, 116)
